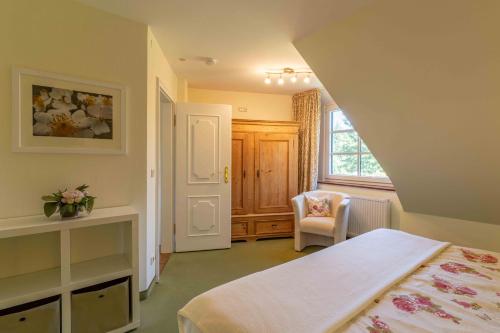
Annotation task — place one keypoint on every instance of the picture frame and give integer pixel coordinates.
(59, 114)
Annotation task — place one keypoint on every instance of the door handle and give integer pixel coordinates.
(226, 174)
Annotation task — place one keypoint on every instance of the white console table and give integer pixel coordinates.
(43, 257)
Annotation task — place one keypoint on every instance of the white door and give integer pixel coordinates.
(202, 179)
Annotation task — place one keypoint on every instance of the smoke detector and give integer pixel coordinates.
(209, 61)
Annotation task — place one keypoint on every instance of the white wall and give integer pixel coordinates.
(459, 232)
(259, 106)
(70, 38)
(158, 68)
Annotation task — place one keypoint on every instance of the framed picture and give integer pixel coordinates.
(59, 114)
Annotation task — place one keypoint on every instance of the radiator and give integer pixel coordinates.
(366, 214)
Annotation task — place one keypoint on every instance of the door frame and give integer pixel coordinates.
(164, 215)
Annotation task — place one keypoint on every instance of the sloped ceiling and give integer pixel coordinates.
(420, 81)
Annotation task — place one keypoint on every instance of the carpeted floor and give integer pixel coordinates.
(189, 274)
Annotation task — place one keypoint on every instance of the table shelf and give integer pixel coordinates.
(29, 287)
(48, 257)
(99, 270)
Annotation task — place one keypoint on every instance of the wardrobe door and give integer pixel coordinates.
(242, 173)
(275, 172)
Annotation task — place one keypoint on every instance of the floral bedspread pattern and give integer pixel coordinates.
(458, 291)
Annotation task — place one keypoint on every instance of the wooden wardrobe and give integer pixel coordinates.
(264, 178)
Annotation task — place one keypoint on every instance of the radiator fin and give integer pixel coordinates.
(366, 214)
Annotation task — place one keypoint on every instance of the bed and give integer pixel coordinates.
(380, 282)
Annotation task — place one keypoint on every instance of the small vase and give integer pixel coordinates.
(67, 216)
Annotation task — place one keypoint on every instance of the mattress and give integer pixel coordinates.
(383, 281)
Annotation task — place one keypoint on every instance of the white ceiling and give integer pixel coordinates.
(246, 36)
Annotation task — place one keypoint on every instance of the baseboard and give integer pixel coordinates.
(145, 293)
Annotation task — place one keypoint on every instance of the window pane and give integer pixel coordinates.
(346, 165)
(344, 142)
(370, 167)
(364, 148)
(339, 121)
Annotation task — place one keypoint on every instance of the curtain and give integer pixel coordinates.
(307, 111)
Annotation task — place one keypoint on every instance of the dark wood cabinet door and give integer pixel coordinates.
(242, 167)
(275, 172)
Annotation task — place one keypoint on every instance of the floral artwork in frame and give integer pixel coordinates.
(69, 113)
(59, 114)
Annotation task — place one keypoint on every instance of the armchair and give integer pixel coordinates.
(323, 231)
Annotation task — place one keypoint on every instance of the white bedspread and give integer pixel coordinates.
(316, 293)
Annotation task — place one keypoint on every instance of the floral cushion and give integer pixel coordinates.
(318, 207)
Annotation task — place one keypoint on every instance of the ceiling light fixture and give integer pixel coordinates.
(293, 74)
(281, 81)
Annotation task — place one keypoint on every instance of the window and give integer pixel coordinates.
(349, 159)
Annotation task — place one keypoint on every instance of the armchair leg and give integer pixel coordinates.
(299, 243)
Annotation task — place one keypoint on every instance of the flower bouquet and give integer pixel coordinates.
(68, 203)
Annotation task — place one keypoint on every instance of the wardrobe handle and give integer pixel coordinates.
(244, 174)
(258, 173)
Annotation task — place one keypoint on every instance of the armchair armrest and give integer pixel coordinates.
(299, 208)
(300, 211)
(341, 221)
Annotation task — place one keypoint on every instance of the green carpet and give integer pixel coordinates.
(192, 273)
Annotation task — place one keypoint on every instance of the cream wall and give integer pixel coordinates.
(69, 38)
(259, 106)
(158, 69)
(459, 232)
(419, 81)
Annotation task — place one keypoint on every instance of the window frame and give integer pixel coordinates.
(327, 152)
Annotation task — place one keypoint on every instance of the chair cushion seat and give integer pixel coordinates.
(318, 225)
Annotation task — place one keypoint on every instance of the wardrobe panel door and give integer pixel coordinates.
(275, 172)
(242, 173)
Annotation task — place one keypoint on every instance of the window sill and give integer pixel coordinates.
(361, 184)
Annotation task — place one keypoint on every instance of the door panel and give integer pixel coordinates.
(274, 163)
(203, 215)
(203, 148)
(242, 161)
(203, 191)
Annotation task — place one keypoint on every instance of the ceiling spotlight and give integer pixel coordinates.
(307, 79)
(281, 81)
(267, 80)
(293, 79)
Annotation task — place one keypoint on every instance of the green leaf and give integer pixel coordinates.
(49, 208)
(82, 188)
(63, 209)
(89, 205)
(49, 198)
